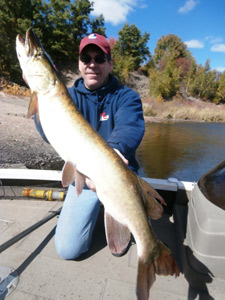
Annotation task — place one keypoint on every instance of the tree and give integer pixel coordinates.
(14, 17)
(112, 42)
(132, 44)
(220, 91)
(170, 47)
(59, 24)
(122, 67)
(57, 37)
(68, 22)
(202, 82)
(165, 83)
(171, 64)
(184, 64)
(82, 24)
(190, 77)
(97, 25)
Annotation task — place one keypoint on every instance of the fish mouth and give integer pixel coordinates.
(21, 39)
(29, 46)
(30, 43)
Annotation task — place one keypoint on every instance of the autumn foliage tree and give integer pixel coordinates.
(165, 84)
(61, 24)
(170, 46)
(172, 62)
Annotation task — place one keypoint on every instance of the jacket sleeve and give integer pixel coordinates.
(129, 125)
(40, 129)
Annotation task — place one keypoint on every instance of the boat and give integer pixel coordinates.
(192, 226)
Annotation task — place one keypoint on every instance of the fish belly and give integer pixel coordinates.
(115, 188)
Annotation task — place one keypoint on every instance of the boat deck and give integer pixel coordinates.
(43, 275)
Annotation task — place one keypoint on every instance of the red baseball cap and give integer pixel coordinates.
(95, 39)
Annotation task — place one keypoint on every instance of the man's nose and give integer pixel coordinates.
(92, 62)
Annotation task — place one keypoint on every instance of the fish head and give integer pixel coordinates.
(38, 69)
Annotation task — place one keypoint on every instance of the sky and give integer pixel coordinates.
(199, 23)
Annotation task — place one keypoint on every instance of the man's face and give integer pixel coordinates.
(95, 74)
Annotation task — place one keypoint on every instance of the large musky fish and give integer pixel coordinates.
(128, 199)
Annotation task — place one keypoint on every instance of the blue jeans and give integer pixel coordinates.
(76, 223)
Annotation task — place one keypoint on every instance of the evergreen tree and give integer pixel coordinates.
(203, 82)
(57, 38)
(133, 45)
(209, 87)
(59, 24)
(97, 25)
(190, 77)
(81, 24)
(68, 22)
(220, 92)
(15, 16)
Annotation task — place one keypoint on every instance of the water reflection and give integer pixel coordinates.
(182, 150)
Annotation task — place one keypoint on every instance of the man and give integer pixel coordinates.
(115, 111)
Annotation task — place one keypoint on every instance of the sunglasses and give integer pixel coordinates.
(99, 59)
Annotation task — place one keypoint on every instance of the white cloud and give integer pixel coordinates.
(115, 11)
(194, 44)
(218, 48)
(188, 6)
(214, 40)
(220, 69)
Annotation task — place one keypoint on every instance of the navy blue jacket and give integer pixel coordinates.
(115, 112)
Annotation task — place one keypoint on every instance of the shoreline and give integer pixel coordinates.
(182, 110)
(176, 110)
(21, 144)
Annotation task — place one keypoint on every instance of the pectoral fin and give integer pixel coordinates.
(79, 182)
(68, 174)
(33, 105)
(118, 236)
(71, 174)
(149, 196)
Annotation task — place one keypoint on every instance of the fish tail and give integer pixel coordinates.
(145, 279)
(160, 262)
(165, 263)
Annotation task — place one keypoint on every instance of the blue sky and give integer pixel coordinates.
(199, 23)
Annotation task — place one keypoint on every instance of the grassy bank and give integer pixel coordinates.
(177, 109)
(180, 109)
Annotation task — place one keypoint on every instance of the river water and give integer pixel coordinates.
(182, 150)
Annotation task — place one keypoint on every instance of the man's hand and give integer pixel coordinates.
(91, 184)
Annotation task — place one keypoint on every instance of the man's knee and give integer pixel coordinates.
(69, 252)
